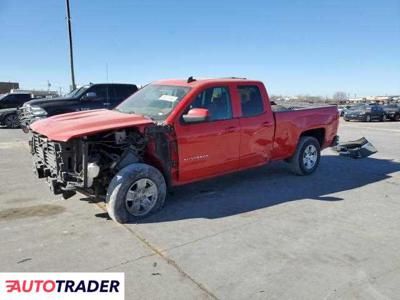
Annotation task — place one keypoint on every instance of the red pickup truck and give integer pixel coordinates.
(173, 132)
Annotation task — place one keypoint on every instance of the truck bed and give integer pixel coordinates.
(290, 123)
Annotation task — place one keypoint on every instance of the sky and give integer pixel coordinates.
(294, 46)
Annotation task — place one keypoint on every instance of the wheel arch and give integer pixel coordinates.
(317, 133)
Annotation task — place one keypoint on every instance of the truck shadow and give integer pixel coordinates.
(271, 185)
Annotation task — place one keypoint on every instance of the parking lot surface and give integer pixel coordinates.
(259, 234)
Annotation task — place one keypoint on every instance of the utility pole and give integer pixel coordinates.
(71, 54)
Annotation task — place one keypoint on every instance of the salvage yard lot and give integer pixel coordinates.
(260, 234)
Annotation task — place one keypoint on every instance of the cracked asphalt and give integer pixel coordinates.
(259, 234)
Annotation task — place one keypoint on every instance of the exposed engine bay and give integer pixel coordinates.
(89, 163)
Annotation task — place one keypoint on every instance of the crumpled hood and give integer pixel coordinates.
(77, 124)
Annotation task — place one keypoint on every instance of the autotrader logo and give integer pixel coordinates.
(43, 286)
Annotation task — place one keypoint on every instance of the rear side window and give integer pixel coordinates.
(250, 100)
(217, 101)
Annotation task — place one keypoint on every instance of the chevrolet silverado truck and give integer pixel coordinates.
(87, 97)
(174, 132)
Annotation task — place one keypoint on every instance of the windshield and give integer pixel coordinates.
(2, 96)
(154, 101)
(77, 91)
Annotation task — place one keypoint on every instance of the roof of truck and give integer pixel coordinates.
(200, 81)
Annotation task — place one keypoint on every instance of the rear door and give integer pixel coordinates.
(256, 125)
(211, 147)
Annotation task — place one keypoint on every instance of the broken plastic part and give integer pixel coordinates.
(356, 149)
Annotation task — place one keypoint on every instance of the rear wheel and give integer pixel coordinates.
(396, 117)
(368, 118)
(136, 192)
(11, 121)
(307, 156)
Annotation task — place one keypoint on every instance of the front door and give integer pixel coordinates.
(211, 147)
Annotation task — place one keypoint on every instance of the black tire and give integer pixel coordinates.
(120, 185)
(396, 117)
(382, 119)
(11, 121)
(297, 161)
(368, 118)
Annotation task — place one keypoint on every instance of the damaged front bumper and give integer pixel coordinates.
(63, 164)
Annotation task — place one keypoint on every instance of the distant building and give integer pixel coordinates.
(6, 87)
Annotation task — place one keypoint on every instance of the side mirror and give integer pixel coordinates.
(89, 96)
(196, 115)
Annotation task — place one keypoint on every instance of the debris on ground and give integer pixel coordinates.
(355, 149)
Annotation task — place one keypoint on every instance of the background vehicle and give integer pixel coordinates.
(92, 96)
(392, 111)
(342, 109)
(365, 112)
(9, 104)
(174, 132)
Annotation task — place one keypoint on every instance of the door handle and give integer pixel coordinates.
(266, 123)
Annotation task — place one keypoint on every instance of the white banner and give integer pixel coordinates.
(69, 286)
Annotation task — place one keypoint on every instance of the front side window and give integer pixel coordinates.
(101, 92)
(216, 100)
(250, 100)
(154, 101)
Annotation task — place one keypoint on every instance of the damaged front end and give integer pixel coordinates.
(85, 164)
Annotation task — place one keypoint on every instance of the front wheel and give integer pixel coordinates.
(11, 121)
(307, 156)
(135, 192)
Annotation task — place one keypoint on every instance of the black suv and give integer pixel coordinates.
(92, 96)
(365, 112)
(9, 104)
